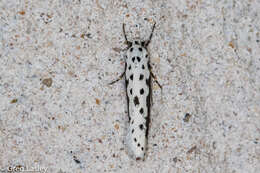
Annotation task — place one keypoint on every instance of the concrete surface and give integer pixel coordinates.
(58, 113)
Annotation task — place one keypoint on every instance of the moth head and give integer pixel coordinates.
(139, 42)
(136, 42)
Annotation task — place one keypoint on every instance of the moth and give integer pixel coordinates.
(138, 75)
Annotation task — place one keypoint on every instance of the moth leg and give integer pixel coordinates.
(150, 38)
(120, 77)
(155, 78)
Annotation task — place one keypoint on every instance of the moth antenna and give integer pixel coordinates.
(151, 35)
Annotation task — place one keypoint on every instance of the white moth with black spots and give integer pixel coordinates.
(138, 76)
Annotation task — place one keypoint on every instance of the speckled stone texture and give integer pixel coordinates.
(59, 115)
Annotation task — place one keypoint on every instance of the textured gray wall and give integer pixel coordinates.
(57, 111)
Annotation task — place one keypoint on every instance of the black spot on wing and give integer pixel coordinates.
(141, 77)
(131, 49)
(147, 82)
(131, 91)
(129, 68)
(138, 59)
(143, 67)
(142, 91)
(138, 145)
(133, 59)
(141, 127)
(136, 101)
(146, 56)
(135, 139)
(131, 76)
(133, 130)
(140, 49)
(141, 111)
(76, 160)
(136, 42)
